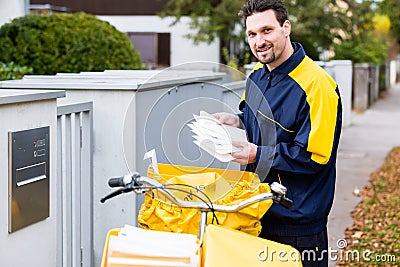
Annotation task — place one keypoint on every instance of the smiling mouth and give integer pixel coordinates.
(264, 50)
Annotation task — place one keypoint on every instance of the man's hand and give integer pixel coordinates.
(247, 153)
(227, 118)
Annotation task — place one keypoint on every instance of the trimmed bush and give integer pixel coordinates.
(66, 43)
(12, 71)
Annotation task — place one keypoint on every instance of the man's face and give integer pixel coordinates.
(267, 38)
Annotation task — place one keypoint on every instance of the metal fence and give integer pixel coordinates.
(75, 171)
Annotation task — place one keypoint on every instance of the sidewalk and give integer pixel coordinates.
(363, 148)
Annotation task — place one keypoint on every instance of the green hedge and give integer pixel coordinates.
(66, 43)
(11, 71)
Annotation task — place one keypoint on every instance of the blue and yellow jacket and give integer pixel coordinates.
(294, 114)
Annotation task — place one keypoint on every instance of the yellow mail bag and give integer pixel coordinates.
(227, 187)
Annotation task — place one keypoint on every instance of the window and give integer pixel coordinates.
(154, 48)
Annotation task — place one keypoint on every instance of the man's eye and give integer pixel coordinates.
(251, 34)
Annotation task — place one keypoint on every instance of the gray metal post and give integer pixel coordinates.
(360, 87)
(387, 75)
(374, 86)
(343, 75)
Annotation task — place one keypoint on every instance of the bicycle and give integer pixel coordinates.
(142, 185)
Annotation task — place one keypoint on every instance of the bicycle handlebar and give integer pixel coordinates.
(140, 184)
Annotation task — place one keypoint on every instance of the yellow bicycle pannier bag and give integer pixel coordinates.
(226, 247)
(219, 186)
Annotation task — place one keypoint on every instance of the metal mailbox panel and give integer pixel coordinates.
(29, 161)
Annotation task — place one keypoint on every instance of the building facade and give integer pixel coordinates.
(12, 9)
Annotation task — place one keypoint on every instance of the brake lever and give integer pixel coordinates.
(117, 192)
(284, 201)
(279, 192)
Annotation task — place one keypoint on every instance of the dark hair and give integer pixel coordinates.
(257, 6)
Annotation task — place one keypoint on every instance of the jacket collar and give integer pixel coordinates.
(286, 67)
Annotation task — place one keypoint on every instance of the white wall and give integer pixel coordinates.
(182, 49)
(10, 9)
(34, 245)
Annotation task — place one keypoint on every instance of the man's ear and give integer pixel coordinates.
(287, 27)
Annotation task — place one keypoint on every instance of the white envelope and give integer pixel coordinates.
(215, 138)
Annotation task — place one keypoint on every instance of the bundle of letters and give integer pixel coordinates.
(134, 246)
(215, 138)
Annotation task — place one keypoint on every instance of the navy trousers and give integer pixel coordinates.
(313, 248)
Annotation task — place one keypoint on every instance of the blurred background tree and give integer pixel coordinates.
(392, 9)
(317, 24)
(325, 28)
(210, 20)
(368, 39)
(312, 23)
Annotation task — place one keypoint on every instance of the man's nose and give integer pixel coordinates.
(260, 40)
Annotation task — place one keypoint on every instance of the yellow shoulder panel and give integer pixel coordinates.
(259, 65)
(323, 101)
